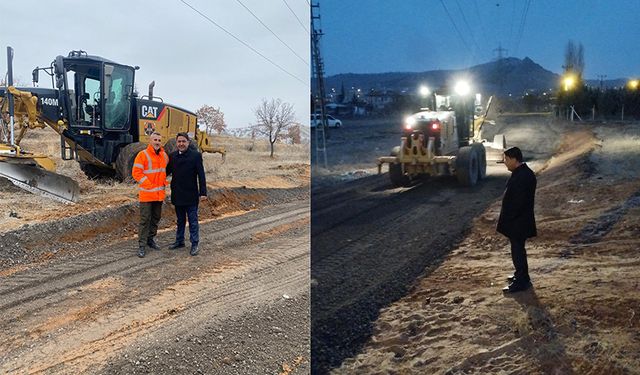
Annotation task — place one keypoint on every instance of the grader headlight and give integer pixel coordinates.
(409, 122)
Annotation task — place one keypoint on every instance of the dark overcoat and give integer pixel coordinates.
(188, 182)
(516, 215)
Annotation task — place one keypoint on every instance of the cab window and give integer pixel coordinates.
(118, 88)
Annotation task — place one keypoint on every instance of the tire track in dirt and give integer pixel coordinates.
(198, 298)
(24, 301)
(370, 244)
(553, 328)
(357, 270)
(40, 244)
(20, 309)
(110, 262)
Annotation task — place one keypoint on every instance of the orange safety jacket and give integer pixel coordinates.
(149, 169)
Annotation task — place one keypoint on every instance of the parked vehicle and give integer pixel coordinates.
(332, 122)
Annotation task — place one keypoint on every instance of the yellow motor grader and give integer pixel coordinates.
(443, 142)
(102, 123)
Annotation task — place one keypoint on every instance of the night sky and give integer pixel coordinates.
(372, 36)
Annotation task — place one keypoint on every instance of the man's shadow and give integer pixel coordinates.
(548, 348)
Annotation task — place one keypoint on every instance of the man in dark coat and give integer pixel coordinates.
(517, 221)
(188, 188)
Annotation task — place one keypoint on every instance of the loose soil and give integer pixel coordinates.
(76, 298)
(421, 293)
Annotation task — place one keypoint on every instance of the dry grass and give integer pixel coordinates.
(247, 164)
(247, 159)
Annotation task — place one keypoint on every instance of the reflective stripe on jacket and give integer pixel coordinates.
(149, 169)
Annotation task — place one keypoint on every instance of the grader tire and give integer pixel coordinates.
(171, 146)
(467, 166)
(482, 160)
(124, 162)
(395, 171)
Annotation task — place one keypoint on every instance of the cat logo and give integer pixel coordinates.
(149, 128)
(149, 111)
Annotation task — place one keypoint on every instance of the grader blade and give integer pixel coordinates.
(42, 182)
(496, 148)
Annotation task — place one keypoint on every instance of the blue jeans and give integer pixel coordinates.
(183, 213)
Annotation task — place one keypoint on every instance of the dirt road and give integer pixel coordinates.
(370, 241)
(383, 315)
(88, 304)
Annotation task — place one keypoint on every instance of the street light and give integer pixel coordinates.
(568, 82)
(633, 84)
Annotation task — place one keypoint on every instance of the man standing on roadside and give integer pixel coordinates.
(517, 220)
(149, 170)
(188, 188)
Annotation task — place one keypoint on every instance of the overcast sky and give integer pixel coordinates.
(192, 61)
(370, 36)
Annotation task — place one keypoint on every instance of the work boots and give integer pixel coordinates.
(194, 249)
(176, 245)
(141, 252)
(152, 244)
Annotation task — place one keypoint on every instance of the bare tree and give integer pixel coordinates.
(212, 118)
(293, 134)
(574, 59)
(16, 82)
(274, 117)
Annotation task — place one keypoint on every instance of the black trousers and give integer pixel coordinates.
(150, 213)
(519, 258)
(182, 214)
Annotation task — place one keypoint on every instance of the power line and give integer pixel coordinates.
(274, 34)
(482, 28)
(523, 20)
(513, 18)
(454, 25)
(296, 16)
(244, 43)
(464, 19)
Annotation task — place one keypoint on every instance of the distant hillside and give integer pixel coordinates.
(502, 77)
(246, 132)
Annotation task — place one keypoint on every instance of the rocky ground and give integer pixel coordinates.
(75, 298)
(451, 316)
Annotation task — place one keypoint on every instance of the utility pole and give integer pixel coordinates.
(318, 72)
(500, 51)
(601, 77)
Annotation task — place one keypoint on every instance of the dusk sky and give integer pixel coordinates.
(372, 36)
(192, 61)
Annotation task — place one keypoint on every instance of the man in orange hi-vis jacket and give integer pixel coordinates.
(149, 169)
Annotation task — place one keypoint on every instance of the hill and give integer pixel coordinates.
(502, 77)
